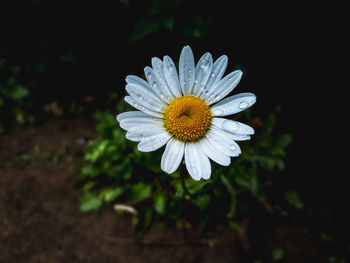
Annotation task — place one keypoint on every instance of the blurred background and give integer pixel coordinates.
(65, 163)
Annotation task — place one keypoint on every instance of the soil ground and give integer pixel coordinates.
(40, 220)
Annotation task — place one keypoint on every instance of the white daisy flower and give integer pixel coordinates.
(184, 112)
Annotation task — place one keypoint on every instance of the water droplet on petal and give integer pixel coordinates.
(217, 97)
(212, 75)
(243, 105)
(233, 147)
(149, 75)
(218, 112)
(204, 64)
(190, 70)
(230, 125)
(154, 84)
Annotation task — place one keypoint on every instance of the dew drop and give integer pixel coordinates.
(154, 84)
(190, 70)
(243, 105)
(217, 97)
(212, 75)
(233, 147)
(218, 112)
(230, 125)
(204, 64)
(170, 67)
(149, 75)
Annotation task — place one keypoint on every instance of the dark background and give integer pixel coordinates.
(78, 49)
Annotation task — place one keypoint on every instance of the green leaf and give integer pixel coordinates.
(277, 254)
(293, 198)
(242, 182)
(233, 196)
(201, 201)
(197, 27)
(109, 195)
(168, 22)
(89, 202)
(147, 26)
(140, 190)
(144, 28)
(16, 69)
(159, 202)
(284, 140)
(19, 92)
(159, 6)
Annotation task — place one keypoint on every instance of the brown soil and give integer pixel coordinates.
(40, 220)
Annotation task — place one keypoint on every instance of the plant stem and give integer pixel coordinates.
(183, 173)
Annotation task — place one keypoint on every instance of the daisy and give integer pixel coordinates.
(184, 112)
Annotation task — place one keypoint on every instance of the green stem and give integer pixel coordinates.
(183, 174)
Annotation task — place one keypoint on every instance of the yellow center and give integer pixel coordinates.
(187, 118)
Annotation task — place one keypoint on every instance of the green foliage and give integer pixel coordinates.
(147, 26)
(197, 27)
(13, 94)
(114, 171)
(168, 15)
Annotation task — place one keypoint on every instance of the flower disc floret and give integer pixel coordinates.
(187, 118)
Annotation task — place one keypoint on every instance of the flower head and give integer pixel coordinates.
(183, 111)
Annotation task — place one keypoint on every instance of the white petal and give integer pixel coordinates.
(141, 132)
(213, 153)
(197, 162)
(240, 137)
(145, 97)
(224, 87)
(129, 123)
(158, 85)
(223, 142)
(233, 104)
(172, 156)
(203, 70)
(217, 72)
(232, 126)
(186, 70)
(142, 108)
(130, 114)
(131, 79)
(153, 143)
(157, 65)
(171, 76)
